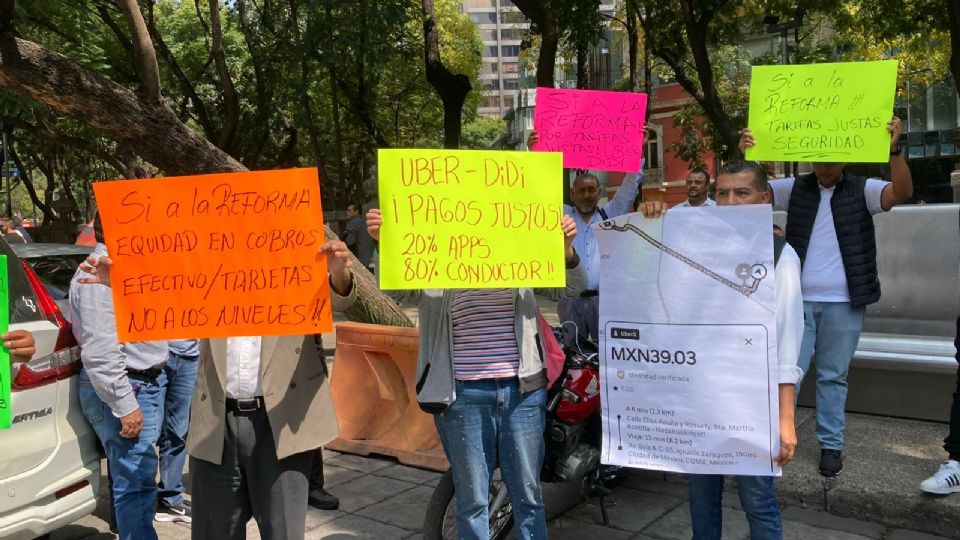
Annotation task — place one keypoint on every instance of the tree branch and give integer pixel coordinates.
(68, 140)
(144, 54)
(230, 104)
(187, 87)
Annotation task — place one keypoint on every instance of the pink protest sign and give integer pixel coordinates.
(594, 129)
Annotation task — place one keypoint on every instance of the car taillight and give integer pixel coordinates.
(65, 359)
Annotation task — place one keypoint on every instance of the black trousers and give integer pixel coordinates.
(316, 470)
(952, 443)
(250, 482)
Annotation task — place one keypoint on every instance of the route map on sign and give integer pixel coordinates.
(688, 343)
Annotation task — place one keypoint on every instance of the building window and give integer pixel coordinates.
(511, 84)
(508, 102)
(512, 34)
(488, 35)
(480, 3)
(490, 51)
(490, 101)
(510, 67)
(491, 84)
(484, 17)
(512, 17)
(489, 68)
(510, 50)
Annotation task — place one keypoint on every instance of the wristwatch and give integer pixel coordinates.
(896, 152)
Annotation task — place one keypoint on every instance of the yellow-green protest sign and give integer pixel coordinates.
(470, 219)
(822, 112)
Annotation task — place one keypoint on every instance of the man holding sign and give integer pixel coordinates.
(743, 182)
(830, 224)
(481, 370)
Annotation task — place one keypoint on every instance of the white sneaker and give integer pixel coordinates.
(945, 481)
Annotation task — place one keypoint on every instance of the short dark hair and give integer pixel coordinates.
(587, 176)
(98, 229)
(738, 166)
(357, 207)
(701, 170)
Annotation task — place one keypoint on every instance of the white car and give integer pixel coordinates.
(49, 458)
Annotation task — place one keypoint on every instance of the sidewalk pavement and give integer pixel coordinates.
(383, 500)
(876, 497)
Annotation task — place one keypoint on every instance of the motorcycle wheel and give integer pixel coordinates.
(440, 521)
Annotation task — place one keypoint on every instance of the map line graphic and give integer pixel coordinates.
(757, 271)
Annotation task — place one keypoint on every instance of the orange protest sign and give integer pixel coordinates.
(217, 255)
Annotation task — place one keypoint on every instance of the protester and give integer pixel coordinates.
(10, 233)
(319, 497)
(947, 479)
(253, 430)
(482, 372)
(18, 225)
(181, 376)
(698, 189)
(121, 395)
(584, 310)
(356, 236)
(830, 224)
(745, 182)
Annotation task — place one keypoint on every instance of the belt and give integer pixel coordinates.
(149, 374)
(245, 405)
(589, 293)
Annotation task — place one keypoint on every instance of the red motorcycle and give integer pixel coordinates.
(572, 436)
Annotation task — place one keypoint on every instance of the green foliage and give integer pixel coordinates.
(482, 132)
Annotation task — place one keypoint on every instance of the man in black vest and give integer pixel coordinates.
(830, 225)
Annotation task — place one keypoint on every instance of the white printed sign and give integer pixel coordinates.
(688, 342)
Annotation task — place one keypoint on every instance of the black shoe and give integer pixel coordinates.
(172, 514)
(831, 462)
(322, 499)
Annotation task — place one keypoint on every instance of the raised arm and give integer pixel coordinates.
(901, 185)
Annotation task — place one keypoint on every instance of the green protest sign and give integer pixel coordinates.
(822, 112)
(5, 404)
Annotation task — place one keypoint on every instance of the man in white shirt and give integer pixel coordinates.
(830, 225)
(745, 182)
(698, 189)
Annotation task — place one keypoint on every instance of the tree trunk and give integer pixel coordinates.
(28, 183)
(633, 36)
(152, 130)
(583, 66)
(540, 15)
(144, 53)
(334, 98)
(231, 105)
(452, 88)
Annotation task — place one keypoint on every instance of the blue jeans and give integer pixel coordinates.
(181, 372)
(831, 331)
(492, 418)
(758, 497)
(132, 462)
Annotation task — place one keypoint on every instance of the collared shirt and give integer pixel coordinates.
(243, 367)
(104, 358)
(708, 202)
(585, 244)
(824, 278)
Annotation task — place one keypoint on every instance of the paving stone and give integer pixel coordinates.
(366, 490)
(794, 530)
(676, 524)
(901, 534)
(316, 517)
(333, 475)
(352, 527)
(569, 529)
(408, 474)
(824, 520)
(405, 510)
(362, 464)
(631, 510)
(653, 485)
